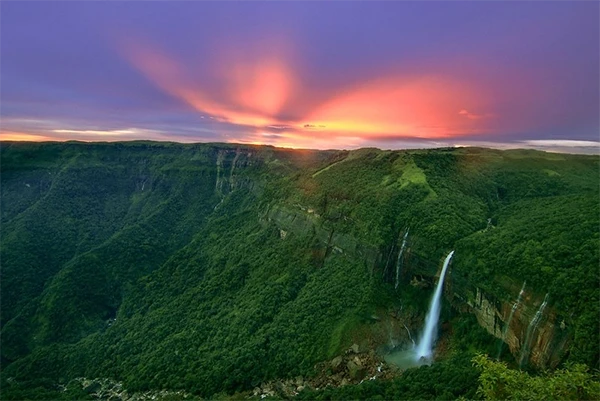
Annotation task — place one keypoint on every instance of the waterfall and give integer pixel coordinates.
(530, 330)
(399, 260)
(512, 313)
(424, 349)
(409, 336)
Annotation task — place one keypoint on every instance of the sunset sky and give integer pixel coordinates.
(304, 74)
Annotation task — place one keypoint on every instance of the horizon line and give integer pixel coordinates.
(589, 148)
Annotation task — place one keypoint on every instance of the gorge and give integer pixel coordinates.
(212, 268)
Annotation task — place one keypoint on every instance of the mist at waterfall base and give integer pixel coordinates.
(422, 353)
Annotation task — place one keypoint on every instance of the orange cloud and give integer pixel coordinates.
(253, 89)
(262, 88)
(413, 107)
(300, 140)
(23, 136)
(473, 116)
(258, 89)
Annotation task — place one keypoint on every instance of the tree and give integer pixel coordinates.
(498, 382)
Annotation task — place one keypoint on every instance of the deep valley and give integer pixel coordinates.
(223, 270)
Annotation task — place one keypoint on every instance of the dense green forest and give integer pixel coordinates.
(211, 269)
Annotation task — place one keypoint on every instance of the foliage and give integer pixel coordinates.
(44, 389)
(446, 380)
(164, 265)
(498, 382)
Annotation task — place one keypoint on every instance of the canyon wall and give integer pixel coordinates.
(548, 341)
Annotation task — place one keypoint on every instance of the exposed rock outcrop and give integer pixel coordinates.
(550, 338)
(304, 221)
(549, 341)
(228, 164)
(352, 367)
(111, 390)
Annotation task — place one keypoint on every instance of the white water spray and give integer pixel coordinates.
(510, 317)
(425, 347)
(399, 260)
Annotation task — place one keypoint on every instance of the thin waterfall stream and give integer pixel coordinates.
(510, 317)
(530, 330)
(399, 259)
(410, 336)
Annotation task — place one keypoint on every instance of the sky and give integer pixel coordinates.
(304, 74)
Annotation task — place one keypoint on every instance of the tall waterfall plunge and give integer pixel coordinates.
(421, 353)
(425, 347)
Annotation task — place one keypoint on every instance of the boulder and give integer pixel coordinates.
(336, 364)
(355, 371)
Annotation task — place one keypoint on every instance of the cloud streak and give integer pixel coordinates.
(260, 90)
(473, 116)
(336, 75)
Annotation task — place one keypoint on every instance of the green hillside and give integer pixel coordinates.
(216, 268)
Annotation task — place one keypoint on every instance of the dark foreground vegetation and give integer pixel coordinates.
(211, 268)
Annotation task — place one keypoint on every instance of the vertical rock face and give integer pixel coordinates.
(228, 164)
(549, 340)
(301, 220)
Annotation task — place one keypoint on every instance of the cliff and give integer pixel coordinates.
(215, 267)
(548, 340)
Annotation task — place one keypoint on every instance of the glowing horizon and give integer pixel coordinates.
(337, 76)
(257, 92)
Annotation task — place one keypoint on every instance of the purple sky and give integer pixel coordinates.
(303, 74)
